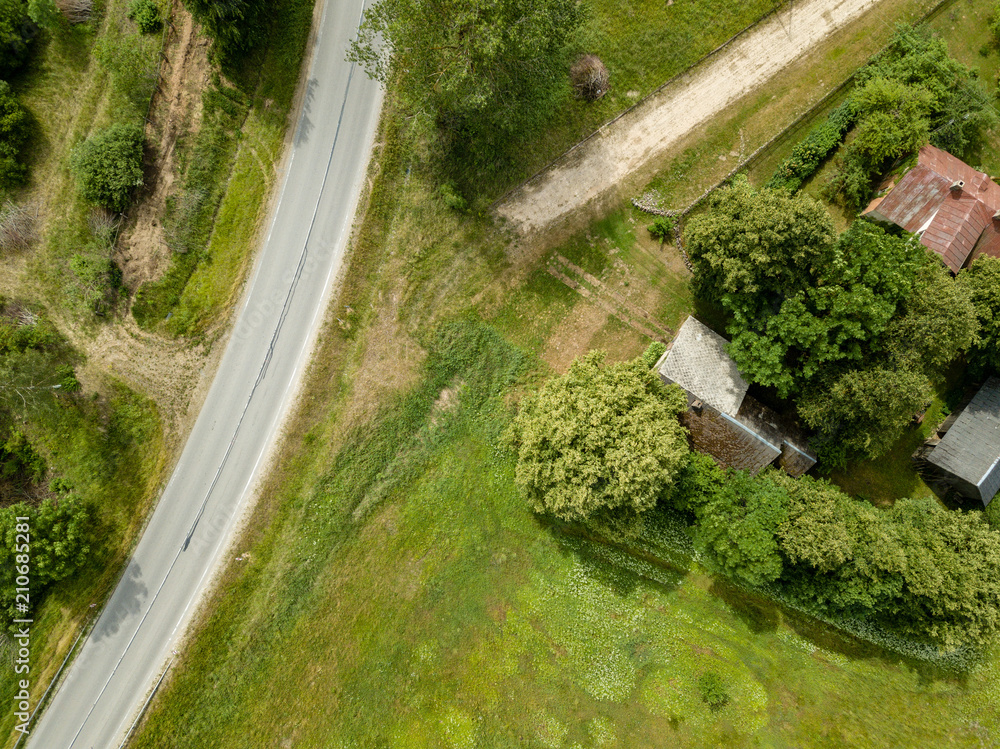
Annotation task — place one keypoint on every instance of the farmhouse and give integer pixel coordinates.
(723, 421)
(967, 457)
(954, 209)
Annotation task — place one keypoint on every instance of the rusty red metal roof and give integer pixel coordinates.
(950, 221)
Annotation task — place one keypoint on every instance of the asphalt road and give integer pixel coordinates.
(253, 389)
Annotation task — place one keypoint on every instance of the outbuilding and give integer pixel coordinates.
(722, 420)
(967, 457)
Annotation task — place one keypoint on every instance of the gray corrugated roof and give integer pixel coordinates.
(698, 362)
(971, 448)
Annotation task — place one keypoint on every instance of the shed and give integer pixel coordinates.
(968, 455)
(722, 420)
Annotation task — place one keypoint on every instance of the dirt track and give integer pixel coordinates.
(593, 169)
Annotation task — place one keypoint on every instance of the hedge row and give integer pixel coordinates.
(810, 153)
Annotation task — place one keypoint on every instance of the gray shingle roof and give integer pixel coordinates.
(698, 362)
(971, 448)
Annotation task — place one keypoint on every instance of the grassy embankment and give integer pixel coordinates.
(399, 593)
(213, 220)
(106, 441)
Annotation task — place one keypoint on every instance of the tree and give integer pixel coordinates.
(234, 25)
(793, 320)
(599, 439)
(863, 411)
(959, 107)
(908, 94)
(952, 574)
(737, 528)
(45, 14)
(483, 77)
(752, 248)
(13, 137)
(15, 35)
(108, 165)
(936, 323)
(58, 540)
(146, 15)
(981, 281)
(815, 533)
(893, 119)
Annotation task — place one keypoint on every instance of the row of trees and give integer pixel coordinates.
(853, 327)
(603, 445)
(916, 568)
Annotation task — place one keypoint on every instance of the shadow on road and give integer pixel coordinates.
(125, 603)
(306, 125)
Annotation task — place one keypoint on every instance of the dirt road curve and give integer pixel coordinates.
(595, 167)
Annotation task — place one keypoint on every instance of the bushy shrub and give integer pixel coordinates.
(712, 689)
(108, 165)
(146, 15)
(589, 77)
(810, 153)
(13, 137)
(663, 227)
(452, 197)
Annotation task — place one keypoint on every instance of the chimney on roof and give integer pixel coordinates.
(957, 185)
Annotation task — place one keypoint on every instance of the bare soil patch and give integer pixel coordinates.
(600, 169)
(142, 252)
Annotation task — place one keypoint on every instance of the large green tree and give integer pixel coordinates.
(59, 543)
(835, 318)
(753, 248)
(738, 525)
(863, 412)
(981, 281)
(599, 439)
(936, 323)
(483, 71)
(952, 574)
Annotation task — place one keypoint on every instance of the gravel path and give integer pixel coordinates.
(594, 168)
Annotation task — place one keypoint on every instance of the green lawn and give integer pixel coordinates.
(446, 615)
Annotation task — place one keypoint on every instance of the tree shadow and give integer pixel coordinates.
(759, 614)
(125, 604)
(622, 565)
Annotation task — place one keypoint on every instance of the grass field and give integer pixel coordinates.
(398, 593)
(394, 591)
